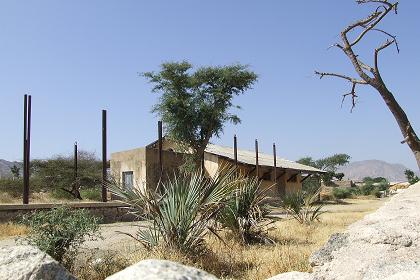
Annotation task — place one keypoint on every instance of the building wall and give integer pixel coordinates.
(171, 162)
(131, 160)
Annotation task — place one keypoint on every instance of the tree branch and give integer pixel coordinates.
(350, 79)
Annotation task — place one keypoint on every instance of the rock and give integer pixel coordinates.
(294, 275)
(383, 245)
(323, 255)
(30, 263)
(161, 270)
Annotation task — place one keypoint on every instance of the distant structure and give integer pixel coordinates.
(140, 168)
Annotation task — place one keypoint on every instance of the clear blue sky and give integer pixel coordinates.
(78, 57)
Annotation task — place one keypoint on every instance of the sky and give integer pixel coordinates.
(78, 57)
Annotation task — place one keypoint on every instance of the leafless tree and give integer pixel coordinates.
(370, 75)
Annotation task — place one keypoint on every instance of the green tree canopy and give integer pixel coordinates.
(195, 105)
(329, 164)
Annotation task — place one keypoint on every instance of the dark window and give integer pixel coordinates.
(127, 179)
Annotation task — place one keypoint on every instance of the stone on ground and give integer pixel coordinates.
(30, 263)
(161, 270)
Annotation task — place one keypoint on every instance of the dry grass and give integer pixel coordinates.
(9, 230)
(294, 244)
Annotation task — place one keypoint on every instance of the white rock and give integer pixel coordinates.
(30, 263)
(161, 270)
(383, 245)
(294, 275)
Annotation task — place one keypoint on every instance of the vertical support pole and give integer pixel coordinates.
(25, 146)
(275, 163)
(160, 149)
(28, 145)
(104, 160)
(257, 168)
(235, 150)
(75, 161)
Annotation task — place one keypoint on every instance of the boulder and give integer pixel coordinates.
(161, 270)
(30, 263)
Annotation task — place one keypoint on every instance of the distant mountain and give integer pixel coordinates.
(374, 168)
(5, 167)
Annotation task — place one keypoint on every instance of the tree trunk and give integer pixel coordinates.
(404, 124)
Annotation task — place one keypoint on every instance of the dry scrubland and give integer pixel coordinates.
(294, 244)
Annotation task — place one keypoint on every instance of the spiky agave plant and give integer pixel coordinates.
(180, 216)
(246, 212)
(303, 207)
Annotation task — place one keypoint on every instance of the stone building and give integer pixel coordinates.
(140, 167)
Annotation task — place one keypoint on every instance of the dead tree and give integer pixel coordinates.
(370, 75)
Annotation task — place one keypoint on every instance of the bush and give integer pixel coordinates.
(60, 231)
(303, 207)
(245, 214)
(181, 216)
(341, 193)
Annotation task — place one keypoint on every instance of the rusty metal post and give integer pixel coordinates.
(25, 147)
(256, 160)
(104, 159)
(235, 150)
(275, 163)
(160, 143)
(75, 161)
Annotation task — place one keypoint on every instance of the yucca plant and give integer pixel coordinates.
(180, 215)
(303, 206)
(246, 212)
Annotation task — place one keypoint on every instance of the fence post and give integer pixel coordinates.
(104, 159)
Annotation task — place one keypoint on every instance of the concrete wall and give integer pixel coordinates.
(131, 160)
(171, 162)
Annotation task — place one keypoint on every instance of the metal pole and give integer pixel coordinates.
(104, 160)
(25, 129)
(275, 163)
(256, 159)
(235, 150)
(28, 144)
(160, 149)
(75, 161)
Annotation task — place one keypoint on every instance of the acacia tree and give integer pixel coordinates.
(329, 164)
(195, 106)
(370, 75)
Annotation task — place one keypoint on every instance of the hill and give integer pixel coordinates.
(374, 168)
(5, 167)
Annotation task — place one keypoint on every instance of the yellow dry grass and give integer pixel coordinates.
(10, 229)
(294, 244)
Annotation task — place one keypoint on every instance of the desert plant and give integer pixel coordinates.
(412, 178)
(303, 207)
(341, 193)
(246, 212)
(60, 232)
(179, 217)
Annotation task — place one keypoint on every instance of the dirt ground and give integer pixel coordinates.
(114, 236)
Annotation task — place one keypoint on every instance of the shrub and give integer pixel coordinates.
(245, 214)
(60, 231)
(180, 217)
(412, 178)
(366, 189)
(341, 193)
(303, 207)
(99, 266)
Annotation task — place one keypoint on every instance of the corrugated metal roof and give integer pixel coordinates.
(248, 157)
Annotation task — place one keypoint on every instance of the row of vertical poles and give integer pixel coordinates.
(27, 107)
(27, 111)
(257, 168)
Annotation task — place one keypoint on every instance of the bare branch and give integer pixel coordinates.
(379, 17)
(353, 95)
(377, 50)
(350, 79)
